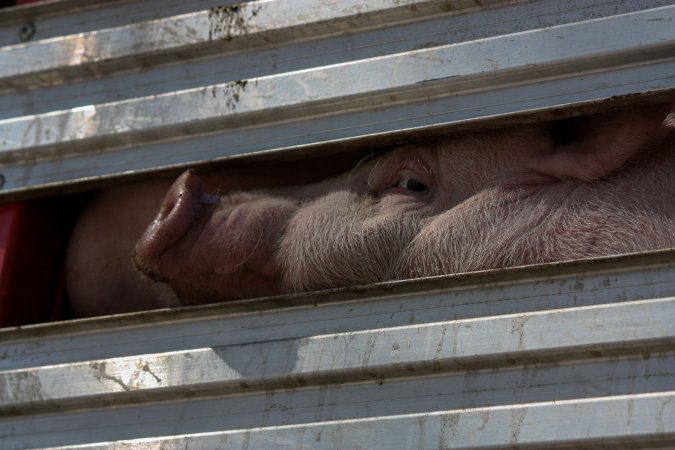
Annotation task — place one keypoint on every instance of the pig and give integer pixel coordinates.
(536, 193)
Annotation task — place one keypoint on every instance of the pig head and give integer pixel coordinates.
(589, 186)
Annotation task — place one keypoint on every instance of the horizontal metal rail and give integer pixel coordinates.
(499, 358)
(472, 343)
(623, 421)
(448, 298)
(232, 28)
(446, 71)
(341, 73)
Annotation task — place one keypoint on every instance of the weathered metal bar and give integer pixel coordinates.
(216, 30)
(191, 71)
(577, 333)
(537, 336)
(382, 398)
(394, 304)
(56, 18)
(420, 89)
(643, 419)
(437, 72)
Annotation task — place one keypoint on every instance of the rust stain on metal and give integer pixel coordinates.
(485, 416)
(441, 341)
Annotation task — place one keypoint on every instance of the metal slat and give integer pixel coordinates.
(606, 423)
(521, 349)
(54, 18)
(471, 74)
(499, 387)
(224, 29)
(428, 301)
(482, 65)
(186, 73)
(538, 336)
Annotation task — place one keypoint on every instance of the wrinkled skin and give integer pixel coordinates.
(585, 187)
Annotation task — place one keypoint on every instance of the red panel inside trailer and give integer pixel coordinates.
(33, 240)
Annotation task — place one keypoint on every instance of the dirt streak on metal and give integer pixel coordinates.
(24, 386)
(227, 22)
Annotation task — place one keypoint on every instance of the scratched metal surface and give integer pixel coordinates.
(572, 355)
(143, 88)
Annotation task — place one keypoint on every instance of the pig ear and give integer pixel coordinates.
(594, 146)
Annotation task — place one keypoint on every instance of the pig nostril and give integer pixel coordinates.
(174, 219)
(166, 209)
(164, 212)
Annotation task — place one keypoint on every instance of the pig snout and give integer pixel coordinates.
(208, 247)
(174, 218)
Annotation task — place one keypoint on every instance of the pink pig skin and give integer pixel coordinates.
(583, 187)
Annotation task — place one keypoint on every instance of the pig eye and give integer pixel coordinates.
(412, 184)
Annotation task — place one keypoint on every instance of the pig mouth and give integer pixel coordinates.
(146, 270)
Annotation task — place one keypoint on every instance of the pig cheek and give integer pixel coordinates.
(233, 256)
(249, 236)
(343, 239)
(496, 228)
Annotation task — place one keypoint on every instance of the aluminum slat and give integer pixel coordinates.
(481, 65)
(499, 387)
(259, 22)
(191, 72)
(591, 337)
(550, 56)
(449, 298)
(540, 336)
(603, 423)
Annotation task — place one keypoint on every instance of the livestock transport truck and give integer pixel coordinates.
(93, 93)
